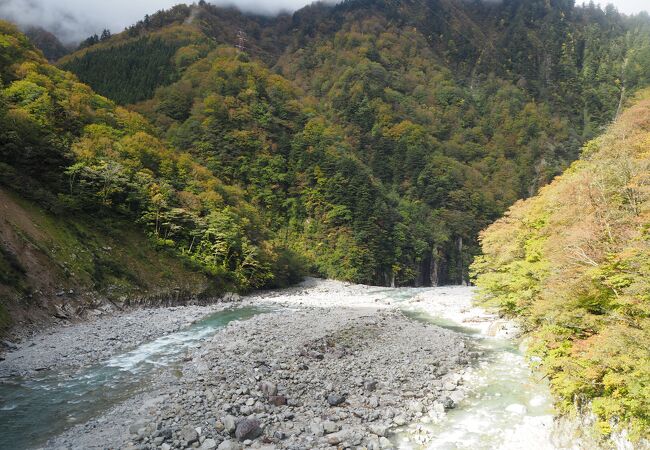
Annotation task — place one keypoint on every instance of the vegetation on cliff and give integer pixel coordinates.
(78, 154)
(574, 263)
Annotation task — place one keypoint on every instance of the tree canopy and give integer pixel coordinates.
(73, 150)
(573, 262)
(448, 114)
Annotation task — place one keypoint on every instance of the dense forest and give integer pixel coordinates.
(78, 154)
(438, 114)
(146, 62)
(573, 263)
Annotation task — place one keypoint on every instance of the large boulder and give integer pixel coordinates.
(248, 429)
(335, 399)
(189, 434)
(269, 389)
(229, 445)
(229, 423)
(278, 400)
(208, 444)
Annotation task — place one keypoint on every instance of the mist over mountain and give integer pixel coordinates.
(73, 20)
(68, 24)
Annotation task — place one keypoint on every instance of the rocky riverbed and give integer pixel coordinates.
(321, 365)
(333, 365)
(80, 344)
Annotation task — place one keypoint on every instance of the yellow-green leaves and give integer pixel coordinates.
(574, 263)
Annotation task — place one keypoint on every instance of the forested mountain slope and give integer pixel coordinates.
(574, 263)
(446, 112)
(372, 140)
(578, 58)
(80, 167)
(48, 43)
(128, 67)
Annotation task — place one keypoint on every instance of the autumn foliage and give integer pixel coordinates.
(76, 152)
(574, 263)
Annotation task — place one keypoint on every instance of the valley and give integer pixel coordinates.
(361, 224)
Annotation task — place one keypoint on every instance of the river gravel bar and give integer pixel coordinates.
(81, 344)
(333, 366)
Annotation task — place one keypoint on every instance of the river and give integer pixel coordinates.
(505, 405)
(37, 408)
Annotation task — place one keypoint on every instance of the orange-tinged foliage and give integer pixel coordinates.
(580, 275)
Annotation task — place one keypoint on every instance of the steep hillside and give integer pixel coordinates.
(53, 266)
(450, 110)
(85, 167)
(256, 130)
(582, 60)
(128, 67)
(573, 264)
(47, 42)
(460, 154)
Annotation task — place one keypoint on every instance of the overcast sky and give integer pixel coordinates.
(73, 20)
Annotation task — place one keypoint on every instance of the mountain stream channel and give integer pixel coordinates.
(321, 365)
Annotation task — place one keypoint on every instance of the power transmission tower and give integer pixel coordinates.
(241, 41)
